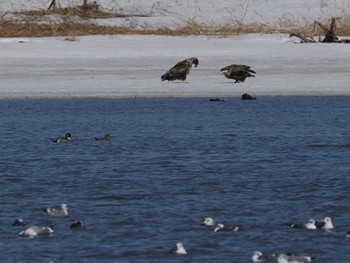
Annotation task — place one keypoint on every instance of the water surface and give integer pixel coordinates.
(258, 164)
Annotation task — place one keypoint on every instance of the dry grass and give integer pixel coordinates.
(78, 21)
(72, 27)
(90, 11)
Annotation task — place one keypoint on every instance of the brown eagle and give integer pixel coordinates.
(180, 70)
(238, 72)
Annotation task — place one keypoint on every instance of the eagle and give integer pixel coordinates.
(238, 72)
(180, 70)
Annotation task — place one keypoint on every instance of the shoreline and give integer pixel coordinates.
(38, 98)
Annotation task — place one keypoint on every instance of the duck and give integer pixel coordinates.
(222, 228)
(217, 99)
(34, 231)
(246, 96)
(77, 224)
(179, 249)
(107, 137)
(58, 212)
(66, 138)
(18, 222)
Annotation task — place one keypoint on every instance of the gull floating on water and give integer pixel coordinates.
(62, 211)
(34, 231)
(179, 249)
(284, 258)
(19, 222)
(259, 256)
(208, 221)
(222, 227)
(326, 224)
(311, 224)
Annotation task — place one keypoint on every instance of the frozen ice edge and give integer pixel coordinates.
(130, 66)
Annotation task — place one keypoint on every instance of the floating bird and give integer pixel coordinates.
(326, 224)
(290, 258)
(179, 249)
(34, 231)
(62, 211)
(66, 138)
(77, 224)
(348, 234)
(19, 222)
(259, 256)
(311, 224)
(238, 72)
(180, 70)
(246, 96)
(217, 99)
(208, 221)
(222, 227)
(105, 138)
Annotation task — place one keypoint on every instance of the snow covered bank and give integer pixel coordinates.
(167, 13)
(128, 66)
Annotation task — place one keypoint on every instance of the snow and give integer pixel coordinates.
(167, 12)
(128, 66)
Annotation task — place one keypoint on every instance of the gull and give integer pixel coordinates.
(208, 221)
(311, 224)
(62, 211)
(326, 224)
(259, 256)
(34, 231)
(179, 249)
(284, 258)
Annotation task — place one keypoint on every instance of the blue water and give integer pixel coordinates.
(258, 164)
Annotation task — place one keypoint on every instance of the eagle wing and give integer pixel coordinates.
(235, 67)
(181, 69)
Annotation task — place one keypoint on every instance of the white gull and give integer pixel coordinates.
(311, 224)
(326, 224)
(34, 231)
(259, 256)
(284, 258)
(179, 249)
(208, 221)
(62, 211)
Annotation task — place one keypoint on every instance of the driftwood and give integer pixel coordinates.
(330, 34)
(303, 39)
